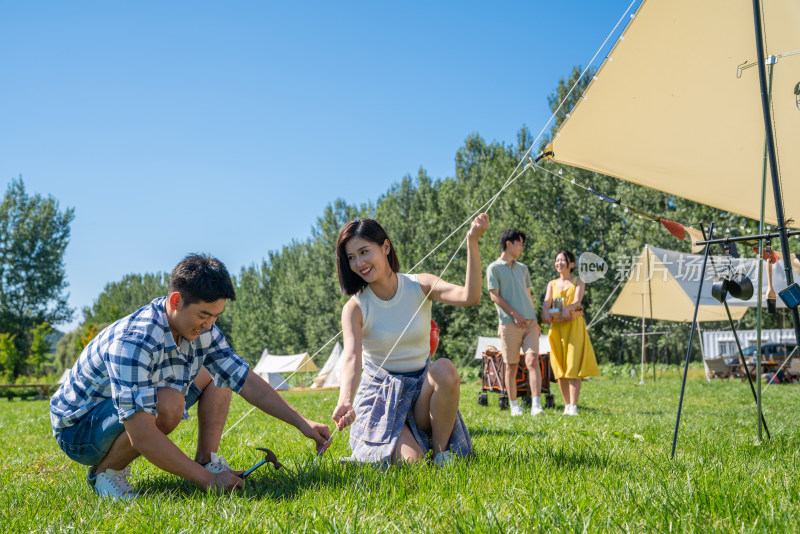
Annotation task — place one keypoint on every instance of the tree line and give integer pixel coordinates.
(290, 302)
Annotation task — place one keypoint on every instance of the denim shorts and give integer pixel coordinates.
(89, 440)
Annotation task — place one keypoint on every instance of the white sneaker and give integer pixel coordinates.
(113, 484)
(516, 410)
(217, 464)
(444, 458)
(567, 409)
(574, 410)
(536, 410)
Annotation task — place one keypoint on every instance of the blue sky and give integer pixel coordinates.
(227, 127)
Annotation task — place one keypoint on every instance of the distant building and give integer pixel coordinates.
(719, 344)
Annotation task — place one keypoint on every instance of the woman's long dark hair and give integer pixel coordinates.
(349, 282)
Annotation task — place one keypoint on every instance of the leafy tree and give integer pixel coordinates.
(39, 347)
(290, 301)
(68, 349)
(9, 355)
(124, 297)
(87, 333)
(34, 234)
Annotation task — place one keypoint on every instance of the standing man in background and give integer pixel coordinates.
(509, 284)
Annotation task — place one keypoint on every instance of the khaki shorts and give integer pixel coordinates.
(515, 340)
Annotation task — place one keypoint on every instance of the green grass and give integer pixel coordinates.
(607, 470)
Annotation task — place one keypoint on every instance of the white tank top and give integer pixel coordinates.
(384, 321)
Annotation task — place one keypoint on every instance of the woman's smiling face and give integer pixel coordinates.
(366, 258)
(563, 264)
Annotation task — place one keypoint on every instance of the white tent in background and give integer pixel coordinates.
(270, 367)
(64, 376)
(328, 377)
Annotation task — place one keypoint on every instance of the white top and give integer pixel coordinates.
(384, 321)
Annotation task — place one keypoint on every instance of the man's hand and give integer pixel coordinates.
(226, 481)
(343, 415)
(519, 320)
(316, 431)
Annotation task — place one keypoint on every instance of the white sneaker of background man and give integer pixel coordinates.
(516, 409)
(536, 407)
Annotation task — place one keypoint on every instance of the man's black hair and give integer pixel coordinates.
(511, 235)
(200, 277)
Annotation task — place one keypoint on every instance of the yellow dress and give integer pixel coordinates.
(571, 352)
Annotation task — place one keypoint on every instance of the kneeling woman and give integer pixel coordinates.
(406, 404)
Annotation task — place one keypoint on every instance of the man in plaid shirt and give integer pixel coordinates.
(133, 383)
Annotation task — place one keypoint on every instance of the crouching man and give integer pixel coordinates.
(133, 383)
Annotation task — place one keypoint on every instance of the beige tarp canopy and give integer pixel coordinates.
(669, 281)
(670, 108)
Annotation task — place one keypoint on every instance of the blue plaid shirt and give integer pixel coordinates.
(130, 360)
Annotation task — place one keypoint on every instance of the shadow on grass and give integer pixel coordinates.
(507, 432)
(282, 485)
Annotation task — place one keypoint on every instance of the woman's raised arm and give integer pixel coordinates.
(470, 293)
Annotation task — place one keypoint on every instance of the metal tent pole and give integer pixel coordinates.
(773, 161)
(746, 368)
(691, 336)
(759, 415)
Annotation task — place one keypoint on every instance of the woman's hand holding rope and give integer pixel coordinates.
(344, 415)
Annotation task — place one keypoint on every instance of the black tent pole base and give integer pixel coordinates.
(691, 336)
(746, 368)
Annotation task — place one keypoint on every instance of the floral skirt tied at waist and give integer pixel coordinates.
(384, 404)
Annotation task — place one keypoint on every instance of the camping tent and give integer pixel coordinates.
(662, 284)
(669, 280)
(270, 367)
(676, 106)
(483, 342)
(329, 375)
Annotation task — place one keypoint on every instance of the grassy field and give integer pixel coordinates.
(606, 470)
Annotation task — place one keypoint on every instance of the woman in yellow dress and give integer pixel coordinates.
(571, 353)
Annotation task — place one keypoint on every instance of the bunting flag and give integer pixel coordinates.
(674, 228)
(682, 232)
(771, 256)
(792, 258)
(642, 214)
(695, 236)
